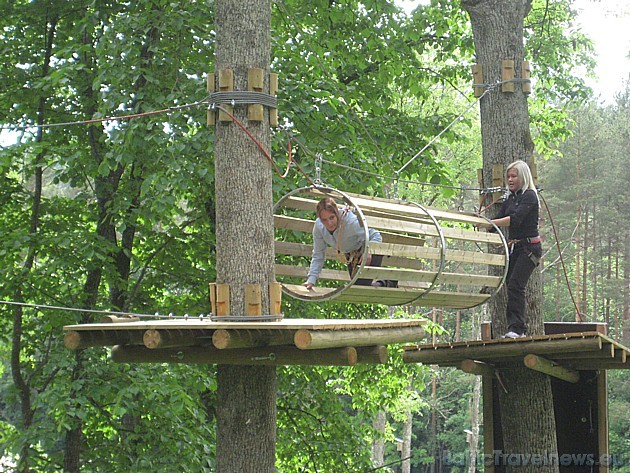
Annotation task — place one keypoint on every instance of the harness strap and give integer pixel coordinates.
(530, 240)
(344, 257)
(535, 259)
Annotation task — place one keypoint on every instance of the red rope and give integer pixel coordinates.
(106, 119)
(564, 268)
(265, 152)
(490, 205)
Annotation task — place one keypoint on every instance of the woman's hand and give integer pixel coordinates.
(308, 285)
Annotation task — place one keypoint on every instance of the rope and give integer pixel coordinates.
(482, 210)
(395, 462)
(488, 87)
(458, 118)
(564, 268)
(553, 263)
(94, 311)
(263, 150)
(106, 119)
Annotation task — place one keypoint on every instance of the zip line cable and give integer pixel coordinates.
(374, 174)
(108, 119)
(94, 311)
(459, 117)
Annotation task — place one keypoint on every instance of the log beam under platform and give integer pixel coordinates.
(154, 338)
(77, 340)
(476, 367)
(230, 339)
(316, 339)
(551, 368)
(277, 356)
(375, 355)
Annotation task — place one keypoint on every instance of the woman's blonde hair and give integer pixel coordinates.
(525, 175)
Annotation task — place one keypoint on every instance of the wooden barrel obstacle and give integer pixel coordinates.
(435, 255)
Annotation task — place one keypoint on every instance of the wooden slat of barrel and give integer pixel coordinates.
(408, 208)
(395, 296)
(394, 274)
(405, 251)
(380, 223)
(402, 256)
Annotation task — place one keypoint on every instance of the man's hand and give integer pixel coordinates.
(308, 285)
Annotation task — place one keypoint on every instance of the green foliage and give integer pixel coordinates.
(590, 216)
(126, 220)
(619, 421)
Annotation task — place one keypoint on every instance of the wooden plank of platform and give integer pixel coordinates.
(300, 249)
(381, 223)
(389, 249)
(406, 296)
(78, 339)
(399, 239)
(398, 274)
(366, 337)
(318, 339)
(440, 214)
(579, 351)
(302, 272)
(284, 324)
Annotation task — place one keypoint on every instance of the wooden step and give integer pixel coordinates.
(391, 296)
(393, 274)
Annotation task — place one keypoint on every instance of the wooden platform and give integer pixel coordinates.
(284, 342)
(574, 351)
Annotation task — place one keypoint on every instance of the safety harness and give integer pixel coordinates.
(532, 241)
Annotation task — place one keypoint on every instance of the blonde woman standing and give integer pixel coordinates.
(520, 212)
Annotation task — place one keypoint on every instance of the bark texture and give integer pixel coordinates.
(246, 411)
(527, 414)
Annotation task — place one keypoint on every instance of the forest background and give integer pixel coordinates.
(119, 215)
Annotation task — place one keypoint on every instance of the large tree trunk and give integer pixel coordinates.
(625, 316)
(584, 269)
(246, 411)
(22, 383)
(527, 414)
(473, 437)
(578, 242)
(379, 423)
(405, 453)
